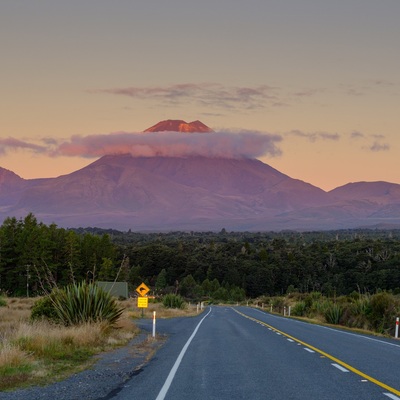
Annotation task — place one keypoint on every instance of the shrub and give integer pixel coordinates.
(333, 313)
(3, 302)
(44, 308)
(278, 303)
(174, 301)
(383, 310)
(299, 310)
(85, 303)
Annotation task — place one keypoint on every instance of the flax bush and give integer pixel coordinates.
(78, 304)
(174, 301)
(333, 313)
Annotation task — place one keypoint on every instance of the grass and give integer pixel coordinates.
(37, 353)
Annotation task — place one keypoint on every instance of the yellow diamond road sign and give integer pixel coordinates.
(142, 289)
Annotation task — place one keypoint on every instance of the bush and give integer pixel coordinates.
(383, 311)
(333, 313)
(3, 302)
(44, 308)
(174, 301)
(300, 309)
(85, 303)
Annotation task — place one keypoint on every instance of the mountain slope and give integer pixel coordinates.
(163, 192)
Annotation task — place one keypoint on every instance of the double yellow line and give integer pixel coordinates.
(336, 360)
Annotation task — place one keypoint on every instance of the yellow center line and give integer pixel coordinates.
(336, 360)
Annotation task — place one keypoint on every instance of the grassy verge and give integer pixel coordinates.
(38, 353)
(374, 313)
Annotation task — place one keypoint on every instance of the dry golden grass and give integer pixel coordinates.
(12, 356)
(31, 351)
(161, 312)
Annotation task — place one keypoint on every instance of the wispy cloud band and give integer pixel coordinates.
(203, 94)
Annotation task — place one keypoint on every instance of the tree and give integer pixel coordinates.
(161, 282)
(107, 271)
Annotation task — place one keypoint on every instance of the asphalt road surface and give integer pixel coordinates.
(244, 353)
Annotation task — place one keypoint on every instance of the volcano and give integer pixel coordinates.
(177, 125)
(164, 193)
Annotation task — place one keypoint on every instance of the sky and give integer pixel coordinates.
(310, 87)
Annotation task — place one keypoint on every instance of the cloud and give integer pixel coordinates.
(314, 136)
(16, 144)
(356, 135)
(377, 144)
(225, 144)
(379, 147)
(203, 94)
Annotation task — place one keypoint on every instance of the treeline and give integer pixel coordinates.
(271, 264)
(227, 266)
(34, 257)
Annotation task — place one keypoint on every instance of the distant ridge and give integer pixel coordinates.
(178, 125)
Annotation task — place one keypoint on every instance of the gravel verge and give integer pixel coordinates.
(104, 379)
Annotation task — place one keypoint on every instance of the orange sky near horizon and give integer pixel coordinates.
(322, 77)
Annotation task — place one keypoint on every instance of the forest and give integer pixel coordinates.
(227, 266)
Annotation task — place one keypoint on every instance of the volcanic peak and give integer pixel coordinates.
(178, 125)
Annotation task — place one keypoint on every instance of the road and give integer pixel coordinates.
(245, 353)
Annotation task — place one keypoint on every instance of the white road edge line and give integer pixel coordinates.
(171, 375)
(309, 350)
(391, 396)
(340, 368)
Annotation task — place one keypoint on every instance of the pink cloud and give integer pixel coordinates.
(16, 144)
(173, 144)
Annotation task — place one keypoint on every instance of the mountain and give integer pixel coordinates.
(194, 193)
(177, 125)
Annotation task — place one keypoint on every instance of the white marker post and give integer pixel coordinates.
(397, 328)
(154, 324)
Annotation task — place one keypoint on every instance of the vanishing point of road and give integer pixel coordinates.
(245, 353)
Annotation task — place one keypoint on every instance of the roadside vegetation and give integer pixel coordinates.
(365, 312)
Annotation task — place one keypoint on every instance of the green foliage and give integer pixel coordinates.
(174, 301)
(383, 311)
(299, 309)
(161, 282)
(41, 256)
(333, 313)
(330, 264)
(107, 271)
(84, 303)
(3, 302)
(44, 308)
